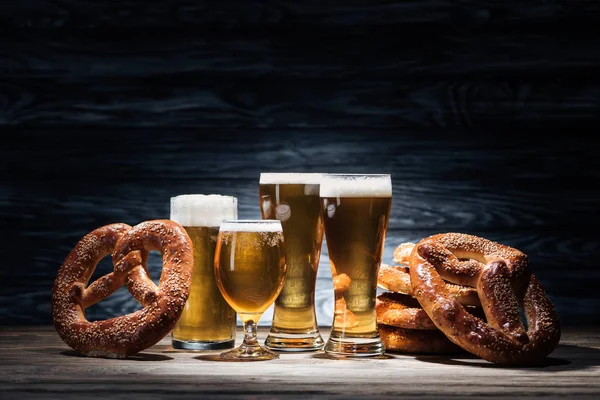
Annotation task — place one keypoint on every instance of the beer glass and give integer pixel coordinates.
(250, 271)
(208, 322)
(356, 210)
(293, 199)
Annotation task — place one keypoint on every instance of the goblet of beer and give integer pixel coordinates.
(356, 210)
(293, 199)
(208, 322)
(250, 271)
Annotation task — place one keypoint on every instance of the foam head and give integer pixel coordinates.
(203, 210)
(252, 225)
(310, 180)
(356, 185)
(271, 178)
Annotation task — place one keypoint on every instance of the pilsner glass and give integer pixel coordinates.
(356, 210)
(293, 199)
(208, 322)
(250, 271)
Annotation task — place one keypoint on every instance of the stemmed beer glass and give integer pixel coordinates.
(250, 271)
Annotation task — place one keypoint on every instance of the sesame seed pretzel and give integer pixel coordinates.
(396, 278)
(402, 311)
(504, 284)
(162, 305)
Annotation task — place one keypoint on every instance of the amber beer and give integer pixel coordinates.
(208, 322)
(293, 199)
(251, 270)
(356, 211)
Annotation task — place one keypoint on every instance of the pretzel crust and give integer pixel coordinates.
(162, 305)
(414, 341)
(402, 311)
(396, 278)
(504, 283)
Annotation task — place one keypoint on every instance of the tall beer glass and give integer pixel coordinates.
(356, 210)
(208, 322)
(250, 271)
(293, 199)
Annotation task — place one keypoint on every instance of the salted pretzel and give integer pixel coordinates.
(396, 278)
(162, 305)
(504, 283)
(402, 311)
(405, 327)
(414, 341)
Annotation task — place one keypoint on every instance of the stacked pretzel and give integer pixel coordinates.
(458, 291)
(403, 324)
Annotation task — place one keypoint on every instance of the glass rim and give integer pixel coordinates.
(204, 198)
(249, 221)
(251, 225)
(356, 185)
(303, 178)
(357, 174)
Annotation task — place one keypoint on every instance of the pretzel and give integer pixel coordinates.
(504, 282)
(396, 278)
(342, 315)
(402, 311)
(415, 341)
(162, 305)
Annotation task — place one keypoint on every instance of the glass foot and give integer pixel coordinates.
(294, 342)
(358, 348)
(249, 353)
(197, 345)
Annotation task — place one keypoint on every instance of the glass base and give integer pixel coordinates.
(294, 342)
(198, 345)
(355, 347)
(249, 353)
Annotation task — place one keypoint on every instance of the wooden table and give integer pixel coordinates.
(35, 363)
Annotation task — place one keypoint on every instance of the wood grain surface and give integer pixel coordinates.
(36, 364)
(482, 111)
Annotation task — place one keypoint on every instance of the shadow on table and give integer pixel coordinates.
(134, 357)
(564, 358)
(217, 357)
(323, 356)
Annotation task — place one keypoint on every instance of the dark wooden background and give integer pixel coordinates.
(484, 112)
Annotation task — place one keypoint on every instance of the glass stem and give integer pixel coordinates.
(250, 339)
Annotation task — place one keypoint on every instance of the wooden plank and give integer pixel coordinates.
(36, 364)
(187, 57)
(54, 14)
(444, 80)
(197, 101)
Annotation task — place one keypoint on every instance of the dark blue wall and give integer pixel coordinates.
(482, 111)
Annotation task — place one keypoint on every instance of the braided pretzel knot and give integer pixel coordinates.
(504, 285)
(162, 305)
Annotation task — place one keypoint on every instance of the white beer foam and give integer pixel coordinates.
(203, 210)
(310, 179)
(307, 178)
(247, 225)
(356, 185)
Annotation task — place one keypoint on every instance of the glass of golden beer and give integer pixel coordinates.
(293, 199)
(250, 271)
(208, 322)
(356, 210)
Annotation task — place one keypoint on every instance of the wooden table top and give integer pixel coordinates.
(35, 363)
